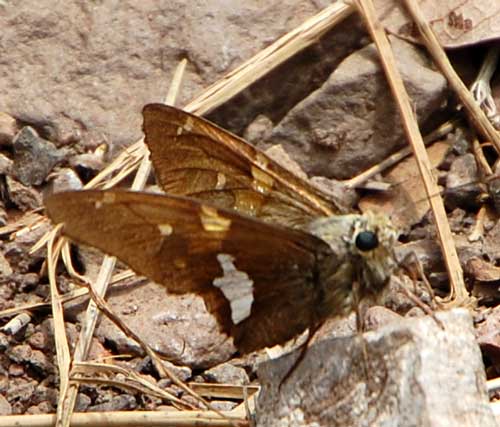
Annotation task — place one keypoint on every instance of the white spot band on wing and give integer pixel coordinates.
(236, 287)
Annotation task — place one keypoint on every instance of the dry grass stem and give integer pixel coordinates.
(224, 391)
(62, 347)
(131, 419)
(68, 296)
(477, 116)
(102, 373)
(481, 159)
(458, 293)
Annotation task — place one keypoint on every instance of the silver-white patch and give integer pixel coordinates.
(236, 287)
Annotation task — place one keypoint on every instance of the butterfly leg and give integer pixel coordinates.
(360, 328)
(303, 350)
(409, 261)
(412, 265)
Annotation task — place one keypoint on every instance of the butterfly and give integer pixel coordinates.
(270, 254)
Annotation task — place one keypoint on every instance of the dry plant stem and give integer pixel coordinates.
(277, 53)
(224, 391)
(101, 373)
(477, 116)
(83, 345)
(358, 180)
(62, 347)
(478, 230)
(481, 159)
(69, 296)
(458, 293)
(130, 419)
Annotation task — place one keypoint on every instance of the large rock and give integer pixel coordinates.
(177, 326)
(408, 373)
(351, 122)
(82, 71)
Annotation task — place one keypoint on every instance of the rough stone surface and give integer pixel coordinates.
(117, 403)
(23, 197)
(118, 57)
(226, 373)
(5, 408)
(5, 165)
(179, 327)
(34, 157)
(415, 374)
(8, 129)
(333, 130)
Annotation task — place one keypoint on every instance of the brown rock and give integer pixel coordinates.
(8, 129)
(38, 340)
(462, 188)
(16, 370)
(5, 267)
(6, 165)
(488, 336)
(279, 155)
(41, 408)
(40, 363)
(20, 390)
(44, 393)
(25, 198)
(351, 122)
(20, 353)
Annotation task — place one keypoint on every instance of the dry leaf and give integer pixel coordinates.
(482, 270)
(407, 203)
(455, 22)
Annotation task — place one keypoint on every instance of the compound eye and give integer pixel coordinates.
(366, 241)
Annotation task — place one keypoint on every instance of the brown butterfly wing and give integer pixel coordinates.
(191, 247)
(193, 157)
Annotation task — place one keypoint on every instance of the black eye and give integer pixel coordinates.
(366, 241)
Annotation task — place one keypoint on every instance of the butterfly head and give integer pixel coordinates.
(362, 250)
(371, 246)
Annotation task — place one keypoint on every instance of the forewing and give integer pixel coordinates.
(193, 157)
(256, 278)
